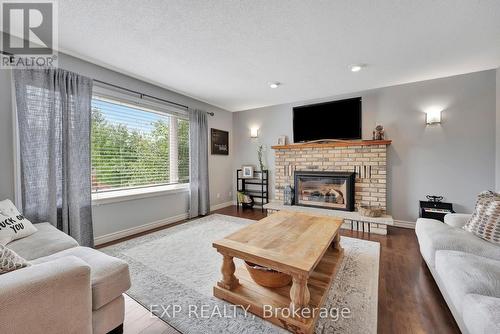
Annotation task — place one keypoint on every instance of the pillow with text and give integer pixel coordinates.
(13, 225)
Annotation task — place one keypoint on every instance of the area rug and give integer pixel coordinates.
(174, 270)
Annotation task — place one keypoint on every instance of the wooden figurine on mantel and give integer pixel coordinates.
(379, 133)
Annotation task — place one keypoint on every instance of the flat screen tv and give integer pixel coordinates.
(329, 120)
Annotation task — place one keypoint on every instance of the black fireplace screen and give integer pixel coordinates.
(329, 190)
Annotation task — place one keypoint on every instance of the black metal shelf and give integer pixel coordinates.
(256, 194)
(258, 183)
(256, 187)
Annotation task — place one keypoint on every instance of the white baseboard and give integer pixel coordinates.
(220, 206)
(404, 224)
(138, 229)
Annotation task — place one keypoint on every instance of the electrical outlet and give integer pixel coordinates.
(218, 195)
(230, 194)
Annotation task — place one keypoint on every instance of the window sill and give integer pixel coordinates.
(133, 194)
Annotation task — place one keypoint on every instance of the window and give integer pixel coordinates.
(136, 147)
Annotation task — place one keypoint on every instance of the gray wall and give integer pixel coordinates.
(109, 218)
(455, 159)
(497, 166)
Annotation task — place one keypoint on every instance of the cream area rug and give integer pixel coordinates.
(174, 270)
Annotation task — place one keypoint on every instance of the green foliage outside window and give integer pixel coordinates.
(125, 157)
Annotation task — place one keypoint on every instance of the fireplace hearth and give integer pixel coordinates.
(325, 189)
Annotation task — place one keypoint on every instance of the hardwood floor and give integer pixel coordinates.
(138, 319)
(408, 302)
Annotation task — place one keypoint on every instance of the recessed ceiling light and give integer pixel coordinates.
(356, 68)
(274, 84)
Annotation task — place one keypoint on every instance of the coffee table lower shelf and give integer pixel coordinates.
(268, 303)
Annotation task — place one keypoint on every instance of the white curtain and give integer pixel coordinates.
(199, 196)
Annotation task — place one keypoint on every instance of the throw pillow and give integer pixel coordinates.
(10, 261)
(485, 221)
(13, 225)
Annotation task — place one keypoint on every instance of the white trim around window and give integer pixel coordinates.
(105, 94)
(115, 196)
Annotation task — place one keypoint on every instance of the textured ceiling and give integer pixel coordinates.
(225, 52)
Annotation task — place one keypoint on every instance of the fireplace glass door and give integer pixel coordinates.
(323, 190)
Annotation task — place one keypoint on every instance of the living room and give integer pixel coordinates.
(250, 167)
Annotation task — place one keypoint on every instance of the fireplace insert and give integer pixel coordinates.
(328, 190)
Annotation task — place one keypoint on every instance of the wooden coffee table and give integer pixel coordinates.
(302, 245)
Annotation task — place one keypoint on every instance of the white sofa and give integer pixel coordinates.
(67, 289)
(466, 270)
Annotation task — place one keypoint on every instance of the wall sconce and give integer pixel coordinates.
(433, 116)
(254, 132)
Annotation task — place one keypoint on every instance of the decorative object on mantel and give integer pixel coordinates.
(260, 150)
(220, 142)
(370, 211)
(282, 140)
(246, 172)
(379, 133)
(288, 195)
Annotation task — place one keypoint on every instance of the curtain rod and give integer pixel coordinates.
(147, 95)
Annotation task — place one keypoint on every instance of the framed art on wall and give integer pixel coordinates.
(219, 142)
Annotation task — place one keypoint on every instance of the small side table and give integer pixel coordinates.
(435, 210)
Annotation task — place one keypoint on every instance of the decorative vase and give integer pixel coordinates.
(288, 195)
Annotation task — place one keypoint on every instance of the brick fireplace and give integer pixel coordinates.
(367, 159)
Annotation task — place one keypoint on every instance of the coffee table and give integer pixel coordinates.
(305, 246)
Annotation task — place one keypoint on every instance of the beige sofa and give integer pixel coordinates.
(67, 289)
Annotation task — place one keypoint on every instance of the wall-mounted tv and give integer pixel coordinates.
(330, 120)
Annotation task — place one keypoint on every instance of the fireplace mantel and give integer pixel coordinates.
(340, 143)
